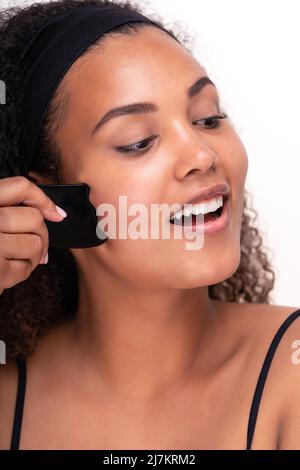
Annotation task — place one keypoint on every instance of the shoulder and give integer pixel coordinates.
(262, 322)
(255, 327)
(258, 324)
(255, 321)
(281, 394)
(285, 379)
(254, 317)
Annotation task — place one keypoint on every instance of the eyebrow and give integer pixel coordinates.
(139, 108)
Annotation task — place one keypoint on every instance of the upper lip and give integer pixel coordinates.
(207, 193)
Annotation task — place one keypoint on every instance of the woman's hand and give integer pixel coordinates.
(24, 237)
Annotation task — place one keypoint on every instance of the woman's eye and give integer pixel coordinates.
(213, 121)
(138, 146)
(142, 145)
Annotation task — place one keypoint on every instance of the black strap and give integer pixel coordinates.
(263, 375)
(16, 432)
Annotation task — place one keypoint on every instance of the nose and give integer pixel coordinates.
(194, 155)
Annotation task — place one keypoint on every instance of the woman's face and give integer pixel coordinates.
(180, 158)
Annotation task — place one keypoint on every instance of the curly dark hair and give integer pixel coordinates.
(50, 294)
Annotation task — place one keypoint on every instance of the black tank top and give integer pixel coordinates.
(17, 424)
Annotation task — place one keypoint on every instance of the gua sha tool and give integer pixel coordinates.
(78, 229)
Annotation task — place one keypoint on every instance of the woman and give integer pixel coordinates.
(160, 345)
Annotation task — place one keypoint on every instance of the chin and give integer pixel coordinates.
(212, 271)
(226, 267)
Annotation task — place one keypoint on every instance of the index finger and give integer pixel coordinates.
(19, 190)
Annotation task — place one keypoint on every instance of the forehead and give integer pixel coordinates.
(130, 67)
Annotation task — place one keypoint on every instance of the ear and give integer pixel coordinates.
(37, 178)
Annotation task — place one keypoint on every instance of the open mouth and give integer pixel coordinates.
(193, 219)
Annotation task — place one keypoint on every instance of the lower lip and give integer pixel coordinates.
(213, 226)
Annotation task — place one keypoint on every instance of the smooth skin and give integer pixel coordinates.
(150, 361)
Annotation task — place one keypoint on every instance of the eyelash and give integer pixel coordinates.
(130, 148)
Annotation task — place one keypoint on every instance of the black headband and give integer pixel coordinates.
(49, 55)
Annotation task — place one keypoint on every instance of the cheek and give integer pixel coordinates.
(235, 166)
(241, 174)
(107, 184)
(120, 203)
(234, 159)
(129, 187)
(238, 160)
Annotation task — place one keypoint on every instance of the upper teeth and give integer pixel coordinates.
(201, 208)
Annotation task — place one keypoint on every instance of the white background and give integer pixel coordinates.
(250, 49)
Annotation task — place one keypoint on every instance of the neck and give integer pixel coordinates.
(142, 342)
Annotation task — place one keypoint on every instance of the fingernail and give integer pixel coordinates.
(60, 211)
(45, 259)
